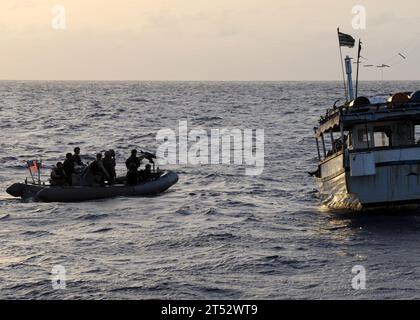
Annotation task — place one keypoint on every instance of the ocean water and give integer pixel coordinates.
(217, 234)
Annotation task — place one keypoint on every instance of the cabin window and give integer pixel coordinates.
(417, 134)
(328, 144)
(349, 139)
(381, 139)
(363, 135)
(382, 136)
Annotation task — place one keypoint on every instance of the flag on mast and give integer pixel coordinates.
(345, 40)
(33, 166)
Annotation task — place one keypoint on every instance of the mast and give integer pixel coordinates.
(358, 64)
(349, 78)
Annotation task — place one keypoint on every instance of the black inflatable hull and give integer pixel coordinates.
(78, 194)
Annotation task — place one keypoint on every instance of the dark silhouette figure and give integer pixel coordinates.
(133, 159)
(58, 175)
(131, 177)
(146, 174)
(68, 167)
(76, 157)
(112, 152)
(109, 165)
(98, 170)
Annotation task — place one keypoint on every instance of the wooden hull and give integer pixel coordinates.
(334, 193)
(391, 181)
(383, 178)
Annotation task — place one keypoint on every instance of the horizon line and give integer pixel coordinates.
(155, 80)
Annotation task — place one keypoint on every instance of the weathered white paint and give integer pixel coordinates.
(378, 176)
(400, 154)
(362, 164)
(332, 166)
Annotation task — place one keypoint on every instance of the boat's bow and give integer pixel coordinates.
(23, 190)
(16, 189)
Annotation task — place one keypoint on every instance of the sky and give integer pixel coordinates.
(239, 40)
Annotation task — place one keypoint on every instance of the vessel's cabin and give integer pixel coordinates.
(365, 125)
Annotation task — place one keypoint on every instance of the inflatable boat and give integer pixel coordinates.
(47, 193)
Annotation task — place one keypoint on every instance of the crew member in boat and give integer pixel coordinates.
(339, 143)
(114, 162)
(133, 159)
(68, 167)
(146, 174)
(112, 152)
(98, 170)
(76, 157)
(132, 175)
(58, 175)
(109, 165)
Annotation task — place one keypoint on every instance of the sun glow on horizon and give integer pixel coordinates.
(199, 40)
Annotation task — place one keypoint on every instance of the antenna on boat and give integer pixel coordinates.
(358, 64)
(382, 70)
(349, 77)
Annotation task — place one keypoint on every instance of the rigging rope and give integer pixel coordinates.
(403, 54)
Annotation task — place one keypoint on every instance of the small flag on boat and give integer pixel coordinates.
(345, 40)
(33, 166)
